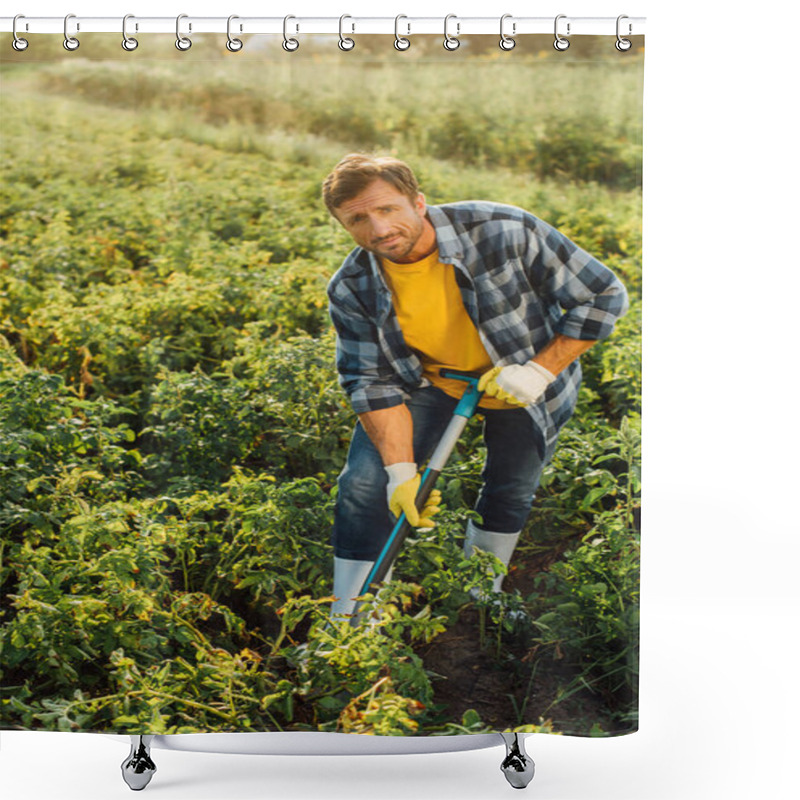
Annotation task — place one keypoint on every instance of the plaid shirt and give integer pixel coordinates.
(522, 282)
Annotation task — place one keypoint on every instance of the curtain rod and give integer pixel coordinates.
(402, 25)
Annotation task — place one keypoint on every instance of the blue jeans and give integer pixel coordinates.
(515, 457)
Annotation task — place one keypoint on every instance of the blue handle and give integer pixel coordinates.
(468, 403)
(465, 408)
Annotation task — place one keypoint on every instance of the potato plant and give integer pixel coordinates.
(171, 425)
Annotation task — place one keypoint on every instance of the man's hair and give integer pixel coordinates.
(357, 171)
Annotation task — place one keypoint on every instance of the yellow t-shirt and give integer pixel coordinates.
(435, 324)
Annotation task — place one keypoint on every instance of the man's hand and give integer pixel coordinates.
(401, 493)
(516, 384)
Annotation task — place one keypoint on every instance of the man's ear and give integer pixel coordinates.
(420, 204)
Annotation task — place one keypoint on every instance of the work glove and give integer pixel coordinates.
(401, 492)
(517, 384)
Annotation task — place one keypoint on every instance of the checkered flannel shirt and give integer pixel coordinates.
(522, 282)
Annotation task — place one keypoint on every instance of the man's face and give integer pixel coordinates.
(386, 222)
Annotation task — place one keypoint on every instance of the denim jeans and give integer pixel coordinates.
(515, 457)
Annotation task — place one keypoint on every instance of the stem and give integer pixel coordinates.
(198, 634)
(279, 638)
(185, 572)
(191, 703)
(231, 704)
(94, 701)
(371, 691)
(521, 715)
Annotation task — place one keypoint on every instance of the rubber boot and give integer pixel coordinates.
(501, 545)
(348, 578)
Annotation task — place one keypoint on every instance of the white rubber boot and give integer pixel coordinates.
(501, 545)
(348, 578)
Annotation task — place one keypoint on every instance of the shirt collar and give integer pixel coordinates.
(447, 238)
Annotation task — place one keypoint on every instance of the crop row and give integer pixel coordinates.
(173, 427)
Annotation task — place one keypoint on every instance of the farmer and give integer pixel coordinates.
(473, 286)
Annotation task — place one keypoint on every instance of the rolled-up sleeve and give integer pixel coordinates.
(365, 373)
(590, 294)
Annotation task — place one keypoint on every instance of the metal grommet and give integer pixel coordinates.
(560, 43)
(183, 43)
(451, 42)
(70, 42)
(400, 43)
(233, 45)
(289, 45)
(506, 42)
(623, 44)
(128, 42)
(19, 44)
(345, 43)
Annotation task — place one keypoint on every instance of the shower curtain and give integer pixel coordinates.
(172, 422)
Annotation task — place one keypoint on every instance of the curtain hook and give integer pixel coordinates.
(233, 45)
(289, 45)
(560, 42)
(506, 42)
(183, 43)
(18, 43)
(623, 44)
(451, 42)
(401, 43)
(344, 42)
(128, 42)
(70, 42)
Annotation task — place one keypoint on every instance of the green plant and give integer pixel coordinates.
(367, 678)
(58, 452)
(171, 424)
(593, 619)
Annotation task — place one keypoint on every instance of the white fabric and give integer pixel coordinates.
(501, 545)
(526, 382)
(398, 474)
(349, 575)
(348, 578)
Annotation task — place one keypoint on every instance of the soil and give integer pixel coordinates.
(521, 690)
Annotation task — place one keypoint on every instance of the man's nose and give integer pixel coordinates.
(380, 227)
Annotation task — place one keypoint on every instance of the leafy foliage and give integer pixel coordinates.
(172, 425)
(591, 611)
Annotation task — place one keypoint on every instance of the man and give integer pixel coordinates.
(473, 286)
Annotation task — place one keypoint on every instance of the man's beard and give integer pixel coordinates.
(399, 249)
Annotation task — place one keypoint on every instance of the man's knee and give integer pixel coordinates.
(504, 507)
(502, 515)
(361, 487)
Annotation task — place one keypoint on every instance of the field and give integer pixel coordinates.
(171, 426)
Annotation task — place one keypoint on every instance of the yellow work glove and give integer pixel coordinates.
(516, 384)
(401, 493)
